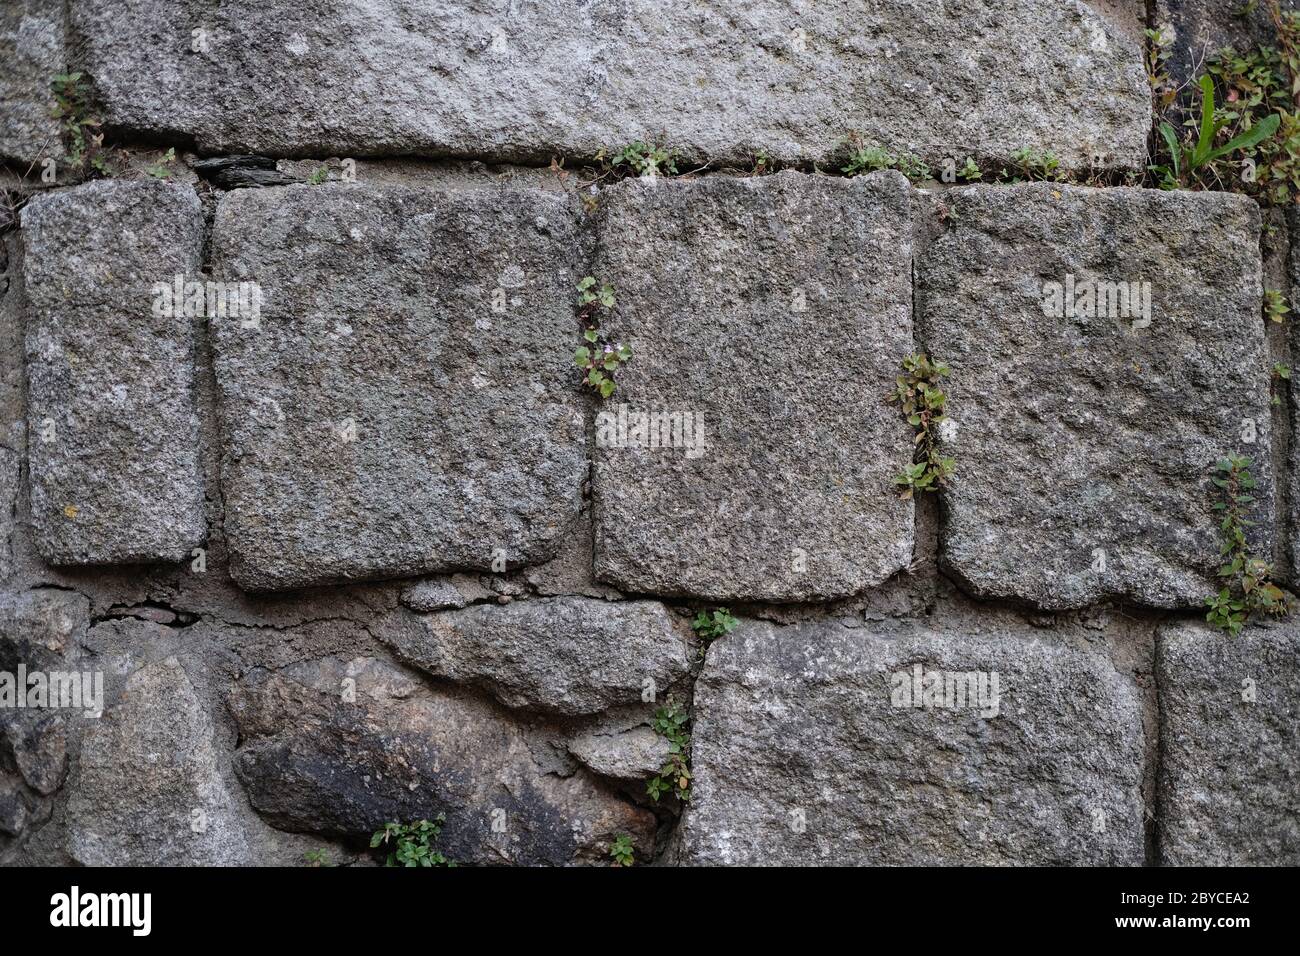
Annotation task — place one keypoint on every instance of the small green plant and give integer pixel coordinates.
(1163, 90)
(316, 858)
(160, 170)
(867, 158)
(410, 844)
(970, 172)
(923, 402)
(621, 850)
(1248, 588)
(639, 159)
(599, 358)
(1275, 305)
(1195, 159)
(319, 176)
(762, 164)
(1281, 373)
(674, 724)
(711, 625)
(72, 109)
(1031, 165)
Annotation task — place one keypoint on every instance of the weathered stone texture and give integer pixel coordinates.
(113, 449)
(150, 788)
(1196, 31)
(32, 51)
(775, 311)
(1084, 445)
(342, 747)
(801, 759)
(562, 655)
(636, 753)
(568, 77)
(1230, 746)
(381, 418)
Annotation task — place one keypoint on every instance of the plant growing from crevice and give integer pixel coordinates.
(923, 404)
(1194, 161)
(316, 858)
(620, 851)
(159, 170)
(1248, 586)
(637, 159)
(599, 358)
(1157, 54)
(411, 844)
(869, 157)
(711, 625)
(72, 96)
(1281, 373)
(673, 724)
(1032, 165)
(1275, 305)
(319, 176)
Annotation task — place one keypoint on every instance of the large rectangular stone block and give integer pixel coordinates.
(32, 51)
(773, 314)
(1229, 746)
(898, 744)
(528, 81)
(113, 445)
(405, 400)
(1107, 347)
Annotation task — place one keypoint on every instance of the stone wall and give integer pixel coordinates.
(359, 548)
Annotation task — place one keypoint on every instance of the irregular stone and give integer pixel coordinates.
(49, 617)
(341, 748)
(1229, 745)
(634, 754)
(32, 50)
(568, 77)
(113, 451)
(1195, 31)
(564, 655)
(745, 303)
(149, 789)
(801, 757)
(380, 418)
(40, 751)
(242, 172)
(1084, 444)
(440, 593)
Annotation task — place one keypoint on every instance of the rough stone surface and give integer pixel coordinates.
(557, 655)
(634, 754)
(383, 419)
(776, 311)
(568, 77)
(314, 760)
(1230, 746)
(441, 593)
(52, 618)
(1084, 445)
(150, 790)
(794, 731)
(113, 453)
(9, 465)
(31, 49)
(1195, 31)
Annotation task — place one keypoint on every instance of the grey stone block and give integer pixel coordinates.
(150, 789)
(32, 51)
(1229, 746)
(1084, 443)
(774, 312)
(565, 655)
(808, 749)
(342, 747)
(568, 77)
(380, 418)
(113, 435)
